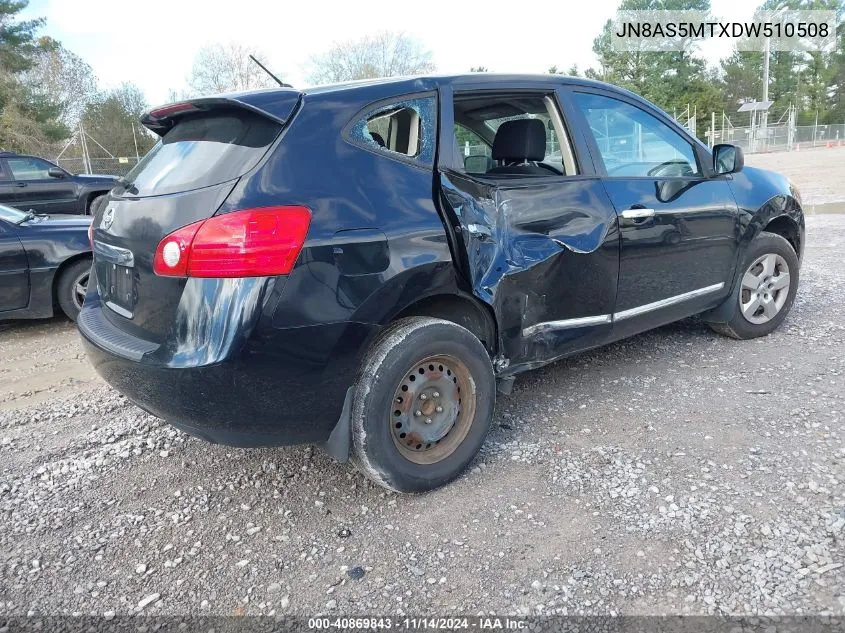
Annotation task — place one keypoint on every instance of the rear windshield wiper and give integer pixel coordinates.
(126, 184)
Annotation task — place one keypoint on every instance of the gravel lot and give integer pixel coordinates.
(675, 472)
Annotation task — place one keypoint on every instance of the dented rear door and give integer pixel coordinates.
(542, 251)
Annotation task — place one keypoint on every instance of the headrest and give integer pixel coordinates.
(520, 140)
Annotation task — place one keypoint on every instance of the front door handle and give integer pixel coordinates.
(21, 184)
(637, 214)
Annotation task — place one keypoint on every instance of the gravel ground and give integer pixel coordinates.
(676, 472)
(817, 172)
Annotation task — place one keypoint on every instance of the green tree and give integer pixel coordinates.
(17, 37)
(112, 122)
(62, 78)
(28, 116)
(674, 80)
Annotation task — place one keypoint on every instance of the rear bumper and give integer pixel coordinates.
(282, 386)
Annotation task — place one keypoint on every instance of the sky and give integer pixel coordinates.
(154, 46)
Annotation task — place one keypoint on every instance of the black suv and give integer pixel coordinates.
(360, 265)
(29, 182)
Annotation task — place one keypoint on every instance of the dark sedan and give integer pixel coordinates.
(30, 182)
(44, 263)
(327, 266)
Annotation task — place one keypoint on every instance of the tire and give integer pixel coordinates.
(772, 250)
(431, 365)
(68, 290)
(94, 204)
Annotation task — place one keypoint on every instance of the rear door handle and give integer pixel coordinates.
(636, 214)
(21, 184)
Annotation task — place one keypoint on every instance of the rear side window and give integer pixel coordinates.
(404, 129)
(204, 150)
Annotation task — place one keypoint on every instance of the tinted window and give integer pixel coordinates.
(203, 150)
(405, 128)
(25, 168)
(632, 142)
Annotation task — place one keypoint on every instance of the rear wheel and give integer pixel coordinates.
(765, 291)
(423, 404)
(72, 286)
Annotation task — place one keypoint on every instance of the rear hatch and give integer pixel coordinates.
(206, 145)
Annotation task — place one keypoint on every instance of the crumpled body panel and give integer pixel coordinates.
(542, 253)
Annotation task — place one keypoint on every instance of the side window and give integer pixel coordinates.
(24, 168)
(476, 153)
(518, 134)
(633, 143)
(404, 129)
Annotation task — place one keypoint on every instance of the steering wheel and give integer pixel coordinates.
(660, 170)
(551, 168)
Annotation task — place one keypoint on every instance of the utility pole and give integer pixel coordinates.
(135, 140)
(86, 159)
(764, 115)
(713, 128)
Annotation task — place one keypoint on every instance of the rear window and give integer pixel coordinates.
(203, 150)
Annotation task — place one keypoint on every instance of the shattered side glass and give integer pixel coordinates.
(376, 121)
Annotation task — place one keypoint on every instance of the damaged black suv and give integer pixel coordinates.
(361, 265)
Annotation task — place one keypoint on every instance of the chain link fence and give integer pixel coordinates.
(782, 138)
(118, 166)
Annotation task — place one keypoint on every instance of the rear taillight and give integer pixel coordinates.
(250, 243)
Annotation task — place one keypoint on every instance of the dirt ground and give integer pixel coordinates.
(674, 472)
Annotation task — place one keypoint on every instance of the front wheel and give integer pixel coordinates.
(765, 291)
(423, 404)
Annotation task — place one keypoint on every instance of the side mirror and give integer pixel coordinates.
(728, 159)
(55, 172)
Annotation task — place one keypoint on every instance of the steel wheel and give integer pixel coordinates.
(80, 288)
(765, 288)
(433, 409)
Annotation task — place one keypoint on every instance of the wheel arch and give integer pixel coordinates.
(89, 198)
(60, 271)
(787, 228)
(457, 308)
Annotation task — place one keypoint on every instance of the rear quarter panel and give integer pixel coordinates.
(376, 240)
(376, 244)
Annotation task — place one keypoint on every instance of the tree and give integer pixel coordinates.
(383, 55)
(112, 121)
(572, 72)
(228, 68)
(17, 37)
(63, 78)
(28, 116)
(478, 69)
(673, 80)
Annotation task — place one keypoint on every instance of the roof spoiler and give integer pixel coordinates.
(277, 105)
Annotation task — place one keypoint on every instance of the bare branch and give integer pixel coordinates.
(385, 54)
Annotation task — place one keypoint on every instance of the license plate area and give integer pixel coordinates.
(117, 288)
(116, 278)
